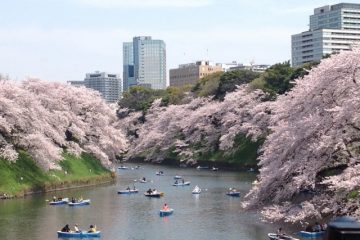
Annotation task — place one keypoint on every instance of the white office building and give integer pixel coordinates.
(226, 66)
(144, 63)
(332, 29)
(109, 85)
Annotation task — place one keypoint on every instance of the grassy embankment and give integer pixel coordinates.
(24, 176)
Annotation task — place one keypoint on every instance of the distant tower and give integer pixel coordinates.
(128, 65)
(147, 64)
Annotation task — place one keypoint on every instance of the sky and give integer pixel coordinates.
(61, 40)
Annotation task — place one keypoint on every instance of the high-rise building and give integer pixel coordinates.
(128, 65)
(191, 72)
(109, 85)
(148, 60)
(332, 29)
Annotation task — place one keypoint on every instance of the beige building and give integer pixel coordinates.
(190, 73)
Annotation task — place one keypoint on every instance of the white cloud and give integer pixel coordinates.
(145, 3)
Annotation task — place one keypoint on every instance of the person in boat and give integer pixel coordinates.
(92, 229)
(183, 181)
(309, 228)
(60, 198)
(165, 207)
(317, 227)
(134, 188)
(176, 181)
(80, 199)
(76, 228)
(66, 228)
(280, 234)
(323, 226)
(128, 188)
(73, 200)
(149, 191)
(144, 179)
(54, 198)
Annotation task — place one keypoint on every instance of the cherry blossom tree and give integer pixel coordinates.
(200, 126)
(47, 118)
(310, 161)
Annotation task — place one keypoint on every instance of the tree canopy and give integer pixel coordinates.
(46, 119)
(310, 161)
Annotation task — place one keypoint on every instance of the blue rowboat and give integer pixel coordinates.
(82, 234)
(274, 236)
(178, 177)
(305, 234)
(164, 213)
(123, 168)
(131, 191)
(181, 184)
(233, 194)
(60, 202)
(80, 203)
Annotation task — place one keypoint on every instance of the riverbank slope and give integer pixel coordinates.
(25, 177)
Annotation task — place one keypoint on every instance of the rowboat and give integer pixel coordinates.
(196, 190)
(202, 167)
(160, 173)
(131, 191)
(154, 195)
(60, 202)
(181, 184)
(142, 181)
(274, 236)
(178, 177)
(233, 194)
(82, 234)
(123, 168)
(164, 213)
(80, 203)
(305, 234)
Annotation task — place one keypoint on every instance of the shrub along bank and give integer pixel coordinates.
(25, 177)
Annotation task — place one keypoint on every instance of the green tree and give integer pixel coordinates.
(278, 79)
(303, 70)
(140, 98)
(229, 81)
(175, 95)
(207, 86)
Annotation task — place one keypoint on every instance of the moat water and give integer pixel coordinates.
(210, 215)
